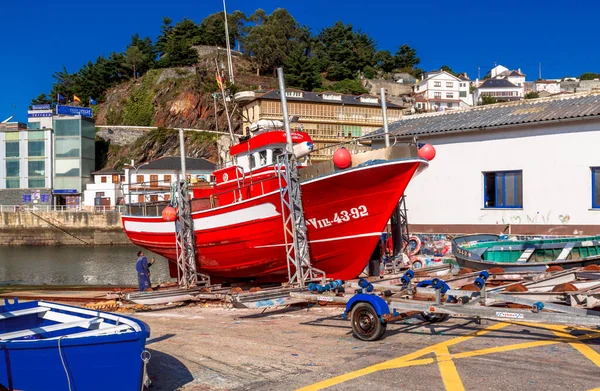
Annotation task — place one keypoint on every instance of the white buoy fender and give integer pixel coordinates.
(302, 149)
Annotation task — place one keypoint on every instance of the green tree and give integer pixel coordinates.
(446, 68)
(212, 28)
(148, 52)
(406, 57)
(175, 43)
(133, 59)
(385, 61)
(488, 100)
(532, 95)
(42, 99)
(348, 86)
(342, 52)
(273, 38)
(588, 76)
(302, 71)
(165, 32)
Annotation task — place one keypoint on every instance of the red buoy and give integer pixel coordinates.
(427, 152)
(169, 213)
(342, 158)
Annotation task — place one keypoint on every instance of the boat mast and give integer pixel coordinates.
(229, 62)
(294, 225)
(385, 119)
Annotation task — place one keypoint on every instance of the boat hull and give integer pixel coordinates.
(472, 257)
(538, 267)
(103, 362)
(345, 212)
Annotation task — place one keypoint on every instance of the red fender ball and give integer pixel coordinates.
(427, 151)
(169, 213)
(342, 158)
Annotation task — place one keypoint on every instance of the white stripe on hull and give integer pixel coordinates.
(257, 212)
(328, 239)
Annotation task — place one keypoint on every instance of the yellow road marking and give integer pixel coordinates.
(400, 362)
(581, 347)
(448, 370)
(445, 361)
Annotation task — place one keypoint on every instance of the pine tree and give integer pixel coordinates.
(302, 72)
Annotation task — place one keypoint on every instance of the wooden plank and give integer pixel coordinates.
(85, 323)
(526, 254)
(566, 251)
(67, 318)
(29, 311)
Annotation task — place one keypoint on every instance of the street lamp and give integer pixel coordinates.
(129, 176)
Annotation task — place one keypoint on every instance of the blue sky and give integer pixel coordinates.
(38, 38)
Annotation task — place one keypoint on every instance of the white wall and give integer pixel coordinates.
(553, 88)
(555, 160)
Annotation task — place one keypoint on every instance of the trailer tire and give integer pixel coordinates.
(434, 317)
(366, 324)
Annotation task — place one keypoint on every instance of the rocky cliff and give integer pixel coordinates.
(171, 98)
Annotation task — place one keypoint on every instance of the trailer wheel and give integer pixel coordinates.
(434, 318)
(366, 325)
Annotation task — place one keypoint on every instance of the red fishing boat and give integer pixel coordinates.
(238, 219)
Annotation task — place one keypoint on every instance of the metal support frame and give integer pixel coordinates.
(187, 275)
(292, 212)
(402, 234)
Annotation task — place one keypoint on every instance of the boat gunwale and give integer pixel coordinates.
(361, 167)
(138, 329)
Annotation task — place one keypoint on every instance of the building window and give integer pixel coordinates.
(12, 183)
(596, 187)
(449, 95)
(37, 183)
(139, 179)
(449, 84)
(36, 168)
(12, 168)
(293, 94)
(437, 95)
(115, 179)
(167, 180)
(449, 104)
(437, 83)
(12, 149)
(35, 148)
(463, 94)
(418, 105)
(503, 189)
(102, 179)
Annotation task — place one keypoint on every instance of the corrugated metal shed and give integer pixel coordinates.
(497, 115)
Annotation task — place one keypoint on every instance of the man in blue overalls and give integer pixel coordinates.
(143, 271)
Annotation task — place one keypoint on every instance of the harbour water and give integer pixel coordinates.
(74, 265)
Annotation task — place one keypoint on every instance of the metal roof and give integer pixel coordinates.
(504, 114)
(497, 83)
(107, 171)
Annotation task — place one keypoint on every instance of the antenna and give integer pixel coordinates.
(229, 63)
(6, 120)
(540, 76)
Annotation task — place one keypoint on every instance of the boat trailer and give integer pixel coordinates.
(373, 305)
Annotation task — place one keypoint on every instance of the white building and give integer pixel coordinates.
(437, 91)
(501, 89)
(550, 86)
(464, 91)
(498, 69)
(509, 168)
(106, 191)
(152, 181)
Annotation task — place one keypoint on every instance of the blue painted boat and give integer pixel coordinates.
(50, 346)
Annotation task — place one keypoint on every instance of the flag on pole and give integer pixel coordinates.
(93, 102)
(60, 97)
(76, 98)
(220, 80)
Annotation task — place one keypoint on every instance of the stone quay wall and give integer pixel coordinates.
(24, 228)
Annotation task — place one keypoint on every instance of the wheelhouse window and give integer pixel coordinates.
(596, 187)
(503, 189)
